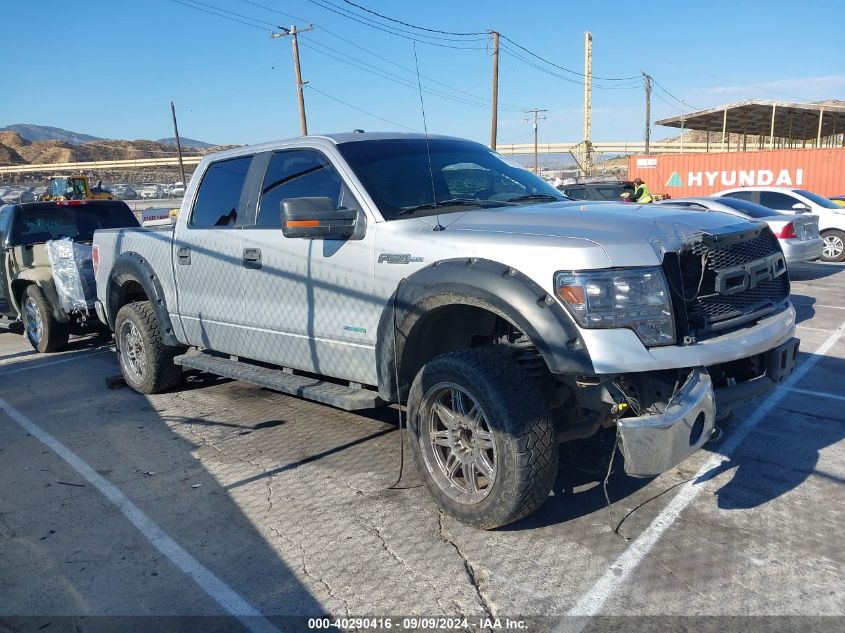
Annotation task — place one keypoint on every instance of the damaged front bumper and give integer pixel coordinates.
(652, 444)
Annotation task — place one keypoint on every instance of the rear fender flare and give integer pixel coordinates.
(43, 278)
(130, 266)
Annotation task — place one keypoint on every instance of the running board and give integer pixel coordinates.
(349, 398)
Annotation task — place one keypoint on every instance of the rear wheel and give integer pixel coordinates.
(43, 331)
(481, 439)
(833, 248)
(145, 361)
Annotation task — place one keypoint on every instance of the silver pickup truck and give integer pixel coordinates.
(366, 269)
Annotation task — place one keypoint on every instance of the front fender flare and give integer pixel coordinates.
(130, 266)
(482, 283)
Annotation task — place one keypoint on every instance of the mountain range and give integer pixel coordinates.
(32, 132)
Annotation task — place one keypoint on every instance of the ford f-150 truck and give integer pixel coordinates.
(364, 269)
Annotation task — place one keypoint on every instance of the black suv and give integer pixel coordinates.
(611, 190)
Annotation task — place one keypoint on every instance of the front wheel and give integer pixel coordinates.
(42, 330)
(833, 247)
(145, 361)
(481, 438)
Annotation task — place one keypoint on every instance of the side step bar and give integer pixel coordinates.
(348, 398)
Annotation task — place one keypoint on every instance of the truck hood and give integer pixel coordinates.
(626, 232)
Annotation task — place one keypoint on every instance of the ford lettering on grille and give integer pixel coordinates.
(741, 278)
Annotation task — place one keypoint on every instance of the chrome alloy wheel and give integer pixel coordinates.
(132, 356)
(32, 320)
(458, 444)
(832, 247)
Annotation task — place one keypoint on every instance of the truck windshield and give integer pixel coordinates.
(463, 176)
(50, 222)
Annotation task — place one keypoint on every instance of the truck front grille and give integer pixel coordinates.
(701, 310)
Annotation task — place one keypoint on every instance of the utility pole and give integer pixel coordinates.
(647, 80)
(293, 32)
(178, 144)
(535, 118)
(495, 116)
(588, 102)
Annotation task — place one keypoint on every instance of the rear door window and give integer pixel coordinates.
(300, 174)
(576, 193)
(751, 196)
(777, 200)
(218, 201)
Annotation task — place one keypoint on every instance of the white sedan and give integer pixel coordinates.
(788, 200)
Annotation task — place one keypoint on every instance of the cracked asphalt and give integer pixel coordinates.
(291, 505)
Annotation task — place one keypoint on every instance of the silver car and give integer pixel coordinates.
(798, 234)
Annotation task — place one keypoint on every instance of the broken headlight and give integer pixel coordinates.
(634, 298)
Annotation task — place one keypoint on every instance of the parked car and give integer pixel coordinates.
(831, 216)
(177, 190)
(798, 234)
(363, 269)
(151, 192)
(27, 287)
(124, 192)
(607, 190)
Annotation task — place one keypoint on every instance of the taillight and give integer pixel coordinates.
(95, 258)
(70, 203)
(787, 231)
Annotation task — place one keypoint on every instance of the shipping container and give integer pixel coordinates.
(680, 175)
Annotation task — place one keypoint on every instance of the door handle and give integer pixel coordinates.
(183, 253)
(252, 258)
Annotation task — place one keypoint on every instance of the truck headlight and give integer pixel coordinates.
(634, 298)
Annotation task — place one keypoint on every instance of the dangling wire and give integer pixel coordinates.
(394, 485)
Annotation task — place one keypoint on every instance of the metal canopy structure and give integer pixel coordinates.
(789, 122)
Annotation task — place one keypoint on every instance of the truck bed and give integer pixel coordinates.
(152, 244)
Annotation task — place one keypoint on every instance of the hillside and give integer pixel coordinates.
(186, 142)
(31, 132)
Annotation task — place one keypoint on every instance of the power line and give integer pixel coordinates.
(266, 8)
(325, 94)
(389, 76)
(578, 82)
(470, 99)
(391, 30)
(681, 101)
(413, 26)
(568, 70)
(221, 15)
(381, 57)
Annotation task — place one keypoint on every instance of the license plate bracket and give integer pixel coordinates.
(781, 361)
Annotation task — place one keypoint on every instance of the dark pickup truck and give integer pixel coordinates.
(27, 288)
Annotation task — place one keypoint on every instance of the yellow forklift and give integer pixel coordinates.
(75, 188)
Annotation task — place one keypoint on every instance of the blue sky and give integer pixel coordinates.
(111, 67)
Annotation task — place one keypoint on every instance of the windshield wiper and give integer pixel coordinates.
(454, 202)
(537, 196)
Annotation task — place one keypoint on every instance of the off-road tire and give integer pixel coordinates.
(523, 433)
(54, 334)
(835, 235)
(159, 373)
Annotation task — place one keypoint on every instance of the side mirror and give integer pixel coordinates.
(313, 218)
(800, 207)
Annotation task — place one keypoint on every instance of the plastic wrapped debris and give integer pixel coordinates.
(73, 273)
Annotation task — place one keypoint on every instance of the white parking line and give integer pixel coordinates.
(231, 602)
(100, 350)
(591, 603)
(817, 394)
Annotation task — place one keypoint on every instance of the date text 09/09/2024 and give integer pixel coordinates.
(417, 623)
